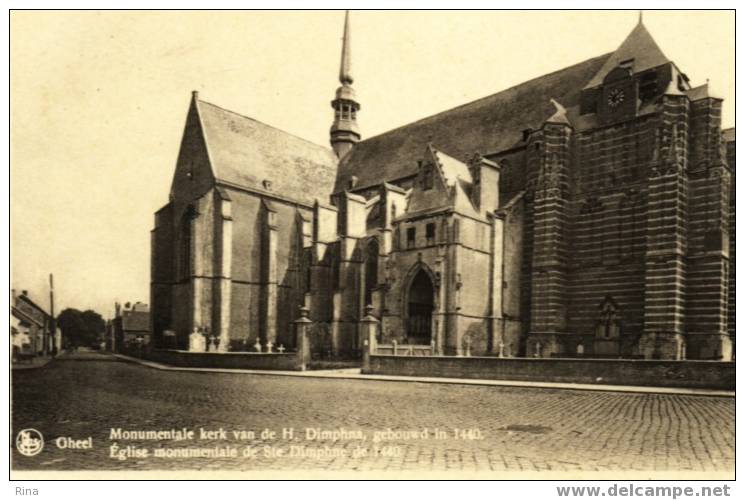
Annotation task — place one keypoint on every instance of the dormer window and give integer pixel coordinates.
(427, 175)
(628, 63)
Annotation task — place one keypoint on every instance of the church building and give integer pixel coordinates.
(588, 212)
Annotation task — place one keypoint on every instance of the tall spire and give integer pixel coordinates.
(345, 70)
(344, 130)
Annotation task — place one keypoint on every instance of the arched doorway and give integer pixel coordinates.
(420, 304)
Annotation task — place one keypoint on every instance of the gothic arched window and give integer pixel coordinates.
(371, 269)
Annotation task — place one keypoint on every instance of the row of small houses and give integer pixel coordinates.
(31, 328)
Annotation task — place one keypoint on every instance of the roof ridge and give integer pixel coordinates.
(328, 149)
(40, 308)
(487, 96)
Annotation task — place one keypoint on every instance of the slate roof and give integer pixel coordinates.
(492, 124)
(639, 46)
(700, 92)
(246, 152)
(729, 134)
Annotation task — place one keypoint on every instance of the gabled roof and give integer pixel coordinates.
(700, 92)
(247, 152)
(492, 124)
(452, 190)
(639, 46)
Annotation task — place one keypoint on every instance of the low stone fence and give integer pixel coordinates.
(640, 372)
(292, 361)
(298, 360)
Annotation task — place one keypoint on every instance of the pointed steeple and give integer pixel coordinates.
(344, 131)
(345, 70)
(639, 52)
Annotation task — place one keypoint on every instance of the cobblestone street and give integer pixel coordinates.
(511, 429)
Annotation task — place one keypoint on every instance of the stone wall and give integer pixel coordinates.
(608, 234)
(267, 283)
(234, 360)
(656, 373)
(730, 149)
(644, 214)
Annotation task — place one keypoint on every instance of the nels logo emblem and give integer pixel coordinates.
(29, 442)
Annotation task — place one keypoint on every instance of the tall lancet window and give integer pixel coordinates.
(371, 269)
(184, 245)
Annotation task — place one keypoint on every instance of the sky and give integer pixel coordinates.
(99, 100)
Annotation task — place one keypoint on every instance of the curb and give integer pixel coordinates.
(354, 374)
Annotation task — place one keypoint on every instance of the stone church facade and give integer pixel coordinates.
(588, 212)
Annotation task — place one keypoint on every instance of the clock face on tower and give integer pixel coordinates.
(615, 98)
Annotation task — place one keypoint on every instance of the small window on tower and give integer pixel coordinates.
(410, 237)
(430, 233)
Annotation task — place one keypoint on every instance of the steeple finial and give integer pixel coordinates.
(641, 17)
(345, 70)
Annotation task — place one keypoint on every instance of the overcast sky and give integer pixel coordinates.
(98, 103)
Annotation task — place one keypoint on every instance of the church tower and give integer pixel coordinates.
(344, 132)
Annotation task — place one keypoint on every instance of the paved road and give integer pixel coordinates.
(512, 429)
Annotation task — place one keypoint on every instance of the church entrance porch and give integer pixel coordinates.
(419, 307)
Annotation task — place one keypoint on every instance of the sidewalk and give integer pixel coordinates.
(35, 362)
(355, 374)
